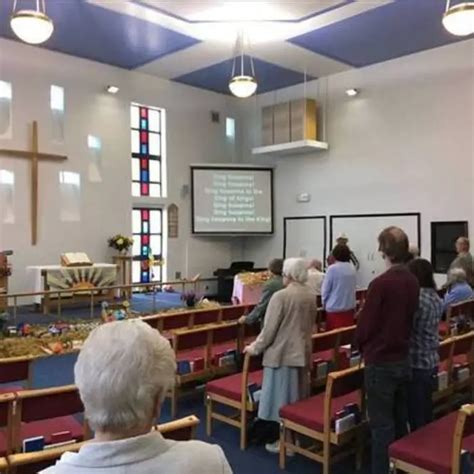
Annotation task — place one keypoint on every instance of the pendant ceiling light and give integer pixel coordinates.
(32, 26)
(242, 84)
(459, 19)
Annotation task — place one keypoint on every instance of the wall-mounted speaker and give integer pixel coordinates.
(215, 116)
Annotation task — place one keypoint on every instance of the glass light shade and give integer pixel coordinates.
(459, 19)
(243, 86)
(32, 26)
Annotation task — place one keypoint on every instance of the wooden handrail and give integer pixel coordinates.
(41, 392)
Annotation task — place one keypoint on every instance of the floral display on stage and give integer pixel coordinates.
(254, 278)
(120, 242)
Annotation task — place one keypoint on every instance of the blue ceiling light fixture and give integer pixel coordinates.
(32, 26)
(242, 85)
(459, 19)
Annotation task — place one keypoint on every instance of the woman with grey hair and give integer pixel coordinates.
(458, 288)
(123, 373)
(285, 342)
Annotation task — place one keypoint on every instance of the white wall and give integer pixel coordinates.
(404, 144)
(105, 207)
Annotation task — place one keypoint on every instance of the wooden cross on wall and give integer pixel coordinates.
(35, 156)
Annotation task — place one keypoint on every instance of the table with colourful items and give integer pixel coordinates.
(248, 287)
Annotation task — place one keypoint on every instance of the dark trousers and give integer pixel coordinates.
(387, 406)
(420, 397)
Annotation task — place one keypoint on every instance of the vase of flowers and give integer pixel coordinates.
(121, 243)
(189, 297)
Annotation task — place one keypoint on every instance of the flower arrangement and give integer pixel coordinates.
(120, 242)
(189, 297)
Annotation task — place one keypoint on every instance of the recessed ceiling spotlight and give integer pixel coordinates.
(112, 89)
(352, 92)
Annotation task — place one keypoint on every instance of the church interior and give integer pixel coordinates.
(283, 191)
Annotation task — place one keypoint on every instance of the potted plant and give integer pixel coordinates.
(121, 243)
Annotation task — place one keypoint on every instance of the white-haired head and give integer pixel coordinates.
(295, 269)
(123, 373)
(456, 275)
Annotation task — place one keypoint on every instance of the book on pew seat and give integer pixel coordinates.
(322, 368)
(31, 445)
(461, 372)
(196, 365)
(442, 380)
(183, 367)
(75, 259)
(466, 463)
(61, 437)
(254, 391)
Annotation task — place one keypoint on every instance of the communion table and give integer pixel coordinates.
(244, 293)
(78, 279)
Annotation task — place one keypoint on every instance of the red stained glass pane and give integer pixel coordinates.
(143, 112)
(145, 239)
(144, 137)
(144, 187)
(144, 164)
(145, 214)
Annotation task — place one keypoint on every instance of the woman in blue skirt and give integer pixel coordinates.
(285, 342)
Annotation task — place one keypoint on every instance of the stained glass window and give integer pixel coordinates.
(147, 226)
(146, 130)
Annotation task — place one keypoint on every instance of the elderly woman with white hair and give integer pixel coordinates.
(285, 342)
(459, 289)
(123, 373)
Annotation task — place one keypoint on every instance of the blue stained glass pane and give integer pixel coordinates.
(144, 177)
(145, 250)
(144, 124)
(145, 277)
(144, 149)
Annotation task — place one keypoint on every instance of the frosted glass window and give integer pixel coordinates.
(155, 244)
(136, 189)
(136, 222)
(7, 189)
(155, 171)
(135, 116)
(95, 159)
(155, 190)
(136, 270)
(136, 170)
(57, 98)
(154, 120)
(70, 196)
(154, 144)
(230, 127)
(135, 141)
(5, 109)
(155, 221)
(57, 113)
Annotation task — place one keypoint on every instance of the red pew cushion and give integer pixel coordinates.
(310, 412)
(430, 447)
(48, 427)
(231, 386)
(327, 356)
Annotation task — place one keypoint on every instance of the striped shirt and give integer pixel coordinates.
(424, 340)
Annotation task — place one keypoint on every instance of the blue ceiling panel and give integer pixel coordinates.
(96, 33)
(216, 77)
(387, 32)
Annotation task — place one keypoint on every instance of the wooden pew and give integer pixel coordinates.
(30, 463)
(16, 369)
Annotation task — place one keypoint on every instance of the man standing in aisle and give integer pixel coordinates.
(383, 336)
(464, 259)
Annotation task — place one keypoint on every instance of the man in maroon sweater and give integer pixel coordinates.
(383, 336)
